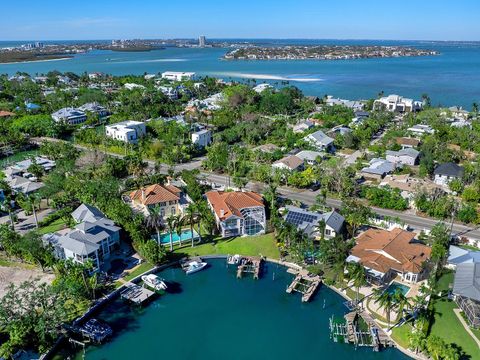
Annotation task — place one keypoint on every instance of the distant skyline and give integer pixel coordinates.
(300, 19)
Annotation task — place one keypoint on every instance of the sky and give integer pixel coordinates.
(300, 19)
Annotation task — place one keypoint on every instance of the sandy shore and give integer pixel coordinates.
(32, 61)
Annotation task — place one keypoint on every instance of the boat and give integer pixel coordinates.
(154, 282)
(194, 266)
(234, 259)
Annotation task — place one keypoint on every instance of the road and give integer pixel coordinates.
(306, 196)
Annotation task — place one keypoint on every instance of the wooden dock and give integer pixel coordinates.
(136, 294)
(304, 283)
(250, 265)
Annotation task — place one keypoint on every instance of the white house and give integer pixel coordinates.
(407, 156)
(238, 213)
(421, 129)
(131, 86)
(127, 131)
(302, 126)
(178, 75)
(310, 157)
(168, 91)
(202, 138)
(95, 108)
(71, 116)
(320, 141)
(396, 103)
(444, 173)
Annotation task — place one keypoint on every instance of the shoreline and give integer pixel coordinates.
(35, 61)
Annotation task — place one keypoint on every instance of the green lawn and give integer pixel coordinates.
(57, 225)
(446, 325)
(145, 266)
(444, 281)
(264, 245)
(400, 334)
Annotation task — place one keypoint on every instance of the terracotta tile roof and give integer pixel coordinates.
(382, 250)
(155, 194)
(6, 113)
(226, 204)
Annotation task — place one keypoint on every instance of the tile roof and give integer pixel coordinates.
(155, 194)
(382, 250)
(226, 204)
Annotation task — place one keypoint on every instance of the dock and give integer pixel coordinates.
(360, 329)
(304, 283)
(136, 294)
(250, 265)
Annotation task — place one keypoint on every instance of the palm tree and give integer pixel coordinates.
(155, 221)
(320, 227)
(356, 273)
(7, 205)
(384, 300)
(191, 216)
(416, 340)
(33, 200)
(178, 227)
(400, 302)
(171, 224)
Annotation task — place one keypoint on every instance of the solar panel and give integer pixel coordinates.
(297, 218)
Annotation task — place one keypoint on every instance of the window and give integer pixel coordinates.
(328, 232)
(173, 210)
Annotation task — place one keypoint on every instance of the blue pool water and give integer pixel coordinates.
(395, 286)
(185, 235)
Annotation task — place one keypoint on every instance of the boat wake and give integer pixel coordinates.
(150, 61)
(293, 77)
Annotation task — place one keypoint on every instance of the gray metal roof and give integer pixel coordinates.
(457, 255)
(449, 169)
(87, 213)
(379, 167)
(404, 152)
(467, 281)
(320, 137)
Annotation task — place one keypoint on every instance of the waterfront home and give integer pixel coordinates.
(320, 141)
(178, 75)
(238, 213)
(396, 103)
(201, 138)
(377, 169)
(354, 105)
(420, 129)
(407, 156)
(290, 163)
(458, 255)
(168, 198)
(466, 291)
(94, 108)
(93, 238)
(309, 222)
(407, 142)
(310, 157)
(127, 131)
(70, 116)
(446, 172)
(388, 254)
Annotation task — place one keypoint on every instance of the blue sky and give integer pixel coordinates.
(319, 19)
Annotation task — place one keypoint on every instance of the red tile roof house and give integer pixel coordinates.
(238, 213)
(168, 197)
(386, 254)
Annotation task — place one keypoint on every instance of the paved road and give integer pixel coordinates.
(307, 197)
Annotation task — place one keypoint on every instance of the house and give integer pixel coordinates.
(290, 163)
(354, 105)
(388, 254)
(407, 156)
(461, 123)
(320, 141)
(377, 169)
(261, 88)
(458, 255)
(94, 237)
(407, 142)
(178, 76)
(340, 130)
(168, 198)
(421, 129)
(408, 185)
(127, 131)
(302, 126)
(94, 108)
(466, 291)
(202, 138)
(20, 184)
(168, 91)
(238, 213)
(308, 222)
(396, 103)
(360, 117)
(70, 116)
(131, 86)
(310, 157)
(444, 173)
(458, 112)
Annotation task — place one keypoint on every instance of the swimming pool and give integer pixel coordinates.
(185, 235)
(395, 286)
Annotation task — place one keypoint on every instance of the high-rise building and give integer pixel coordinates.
(202, 41)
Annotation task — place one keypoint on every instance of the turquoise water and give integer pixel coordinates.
(394, 286)
(213, 315)
(184, 236)
(452, 78)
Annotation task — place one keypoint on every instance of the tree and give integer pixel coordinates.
(356, 214)
(171, 225)
(154, 220)
(384, 300)
(33, 200)
(357, 274)
(417, 340)
(435, 347)
(153, 251)
(34, 250)
(191, 217)
(401, 302)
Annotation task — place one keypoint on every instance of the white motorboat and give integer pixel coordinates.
(194, 266)
(234, 259)
(154, 282)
